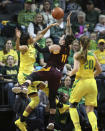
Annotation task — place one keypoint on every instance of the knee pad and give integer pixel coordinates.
(34, 102)
(73, 105)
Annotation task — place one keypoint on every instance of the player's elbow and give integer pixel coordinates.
(76, 70)
(100, 70)
(41, 35)
(17, 47)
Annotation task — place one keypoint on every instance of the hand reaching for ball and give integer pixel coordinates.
(55, 24)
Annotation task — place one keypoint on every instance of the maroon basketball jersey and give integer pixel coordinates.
(59, 60)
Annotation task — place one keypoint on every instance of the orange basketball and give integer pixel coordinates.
(57, 13)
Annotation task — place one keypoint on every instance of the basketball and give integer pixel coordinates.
(57, 13)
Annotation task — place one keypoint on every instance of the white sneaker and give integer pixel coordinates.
(19, 90)
(50, 126)
(24, 90)
(16, 90)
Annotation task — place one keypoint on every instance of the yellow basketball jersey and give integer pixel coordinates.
(3, 57)
(86, 69)
(100, 56)
(27, 60)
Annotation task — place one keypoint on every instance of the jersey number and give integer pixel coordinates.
(89, 64)
(64, 58)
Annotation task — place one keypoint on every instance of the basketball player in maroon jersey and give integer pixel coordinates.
(51, 73)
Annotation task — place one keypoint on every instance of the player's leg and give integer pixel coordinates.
(23, 87)
(75, 116)
(76, 95)
(52, 95)
(20, 123)
(53, 86)
(35, 76)
(91, 102)
(92, 117)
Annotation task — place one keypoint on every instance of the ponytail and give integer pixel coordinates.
(84, 41)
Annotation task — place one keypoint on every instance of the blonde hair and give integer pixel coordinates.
(75, 41)
(101, 17)
(81, 13)
(35, 19)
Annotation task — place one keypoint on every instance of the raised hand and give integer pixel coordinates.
(55, 24)
(68, 18)
(18, 33)
(68, 25)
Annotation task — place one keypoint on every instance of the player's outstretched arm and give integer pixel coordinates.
(55, 49)
(43, 32)
(68, 25)
(42, 50)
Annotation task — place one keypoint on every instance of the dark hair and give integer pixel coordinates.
(24, 38)
(84, 41)
(9, 56)
(49, 3)
(69, 39)
(4, 48)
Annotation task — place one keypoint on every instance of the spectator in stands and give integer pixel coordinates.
(45, 56)
(66, 88)
(47, 13)
(57, 32)
(75, 48)
(74, 7)
(8, 50)
(11, 6)
(26, 15)
(100, 27)
(3, 4)
(93, 41)
(43, 103)
(81, 27)
(100, 4)
(62, 115)
(93, 36)
(10, 72)
(91, 14)
(37, 25)
(100, 52)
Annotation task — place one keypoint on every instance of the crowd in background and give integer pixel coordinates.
(32, 16)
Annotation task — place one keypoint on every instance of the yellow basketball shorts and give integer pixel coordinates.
(86, 88)
(22, 78)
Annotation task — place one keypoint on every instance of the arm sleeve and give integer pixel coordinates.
(42, 50)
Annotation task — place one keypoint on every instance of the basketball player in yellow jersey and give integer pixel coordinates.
(24, 43)
(85, 84)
